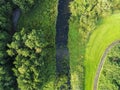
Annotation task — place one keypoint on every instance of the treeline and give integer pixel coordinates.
(85, 16)
(27, 57)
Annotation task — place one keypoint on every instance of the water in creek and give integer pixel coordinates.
(15, 18)
(62, 52)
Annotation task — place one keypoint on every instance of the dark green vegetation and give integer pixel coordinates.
(110, 75)
(31, 49)
(32, 68)
(7, 79)
(5, 8)
(25, 5)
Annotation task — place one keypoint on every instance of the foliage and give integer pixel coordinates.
(115, 4)
(30, 59)
(61, 82)
(7, 80)
(5, 16)
(33, 52)
(24, 5)
(87, 13)
(46, 24)
(110, 75)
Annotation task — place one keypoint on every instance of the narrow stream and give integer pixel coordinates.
(15, 18)
(62, 28)
(62, 52)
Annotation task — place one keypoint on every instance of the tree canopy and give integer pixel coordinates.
(25, 5)
(28, 48)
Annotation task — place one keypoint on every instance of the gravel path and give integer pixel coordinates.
(102, 63)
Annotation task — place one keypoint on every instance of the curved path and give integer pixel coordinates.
(102, 63)
(106, 33)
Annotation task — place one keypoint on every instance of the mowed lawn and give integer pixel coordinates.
(106, 33)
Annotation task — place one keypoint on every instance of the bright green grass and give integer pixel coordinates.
(77, 51)
(101, 38)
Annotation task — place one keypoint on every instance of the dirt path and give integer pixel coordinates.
(102, 63)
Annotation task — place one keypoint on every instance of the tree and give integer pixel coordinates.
(29, 49)
(25, 5)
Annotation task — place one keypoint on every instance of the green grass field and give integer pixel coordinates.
(106, 32)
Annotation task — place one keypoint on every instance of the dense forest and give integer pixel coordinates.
(27, 55)
(28, 59)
